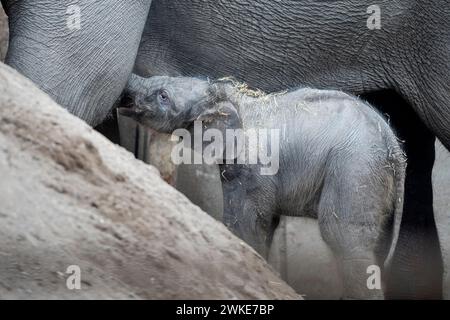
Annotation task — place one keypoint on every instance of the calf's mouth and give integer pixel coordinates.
(128, 106)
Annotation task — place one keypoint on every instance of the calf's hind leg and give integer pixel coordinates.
(353, 222)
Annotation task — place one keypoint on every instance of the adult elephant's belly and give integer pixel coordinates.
(271, 46)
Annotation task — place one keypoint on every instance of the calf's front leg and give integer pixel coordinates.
(249, 211)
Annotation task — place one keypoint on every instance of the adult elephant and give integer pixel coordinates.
(271, 45)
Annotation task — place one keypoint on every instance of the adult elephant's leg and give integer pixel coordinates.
(441, 196)
(417, 262)
(428, 92)
(82, 54)
(416, 270)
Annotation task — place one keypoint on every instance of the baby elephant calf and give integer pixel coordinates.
(332, 157)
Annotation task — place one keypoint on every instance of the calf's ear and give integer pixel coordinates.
(224, 116)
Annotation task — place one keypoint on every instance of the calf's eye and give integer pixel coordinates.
(163, 96)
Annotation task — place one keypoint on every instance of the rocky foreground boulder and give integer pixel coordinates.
(69, 197)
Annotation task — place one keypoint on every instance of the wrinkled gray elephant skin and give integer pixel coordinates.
(84, 69)
(270, 45)
(338, 159)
